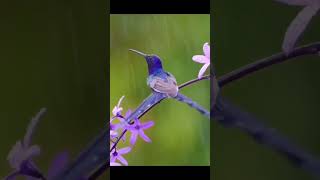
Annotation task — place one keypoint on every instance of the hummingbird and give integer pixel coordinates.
(158, 79)
(162, 83)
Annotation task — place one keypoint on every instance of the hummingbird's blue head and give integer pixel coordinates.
(154, 62)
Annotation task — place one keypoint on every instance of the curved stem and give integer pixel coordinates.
(313, 48)
(193, 81)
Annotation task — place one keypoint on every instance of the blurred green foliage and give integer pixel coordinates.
(285, 96)
(181, 135)
(53, 55)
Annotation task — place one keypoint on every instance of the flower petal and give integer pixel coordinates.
(122, 160)
(120, 125)
(206, 50)
(137, 122)
(114, 164)
(124, 150)
(131, 128)
(32, 151)
(113, 127)
(297, 27)
(31, 127)
(200, 59)
(15, 156)
(128, 113)
(147, 125)
(144, 136)
(58, 162)
(113, 133)
(133, 138)
(203, 70)
(120, 100)
(12, 175)
(113, 158)
(116, 110)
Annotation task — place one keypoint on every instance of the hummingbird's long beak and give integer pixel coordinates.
(138, 52)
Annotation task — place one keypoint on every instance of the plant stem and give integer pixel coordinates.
(309, 49)
(194, 81)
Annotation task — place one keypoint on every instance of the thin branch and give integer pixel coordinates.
(309, 49)
(193, 81)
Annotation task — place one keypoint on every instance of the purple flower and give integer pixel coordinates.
(137, 129)
(57, 164)
(117, 109)
(113, 133)
(21, 154)
(203, 59)
(117, 155)
(123, 123)
(113, 130)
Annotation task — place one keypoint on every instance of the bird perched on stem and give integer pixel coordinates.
(158, 79)
(164, 83)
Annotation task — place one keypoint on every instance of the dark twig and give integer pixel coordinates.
(193, 81)
(313, 48)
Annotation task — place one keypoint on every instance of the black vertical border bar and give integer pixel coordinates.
(162, 7)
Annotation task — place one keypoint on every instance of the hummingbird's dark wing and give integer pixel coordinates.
(167, 86)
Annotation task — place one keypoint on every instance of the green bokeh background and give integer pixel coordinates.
(181, 135)
(53, 55)
(285, 97)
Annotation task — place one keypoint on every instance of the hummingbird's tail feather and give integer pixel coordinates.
(149, 102)
(182, 98)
